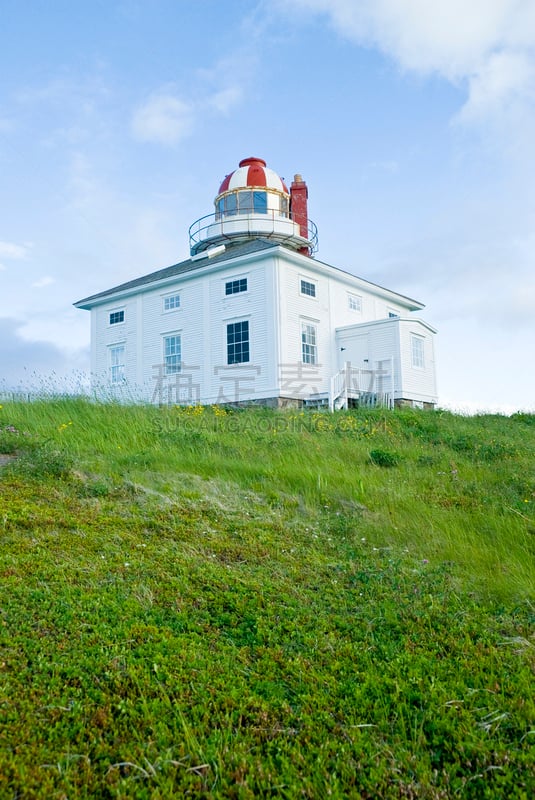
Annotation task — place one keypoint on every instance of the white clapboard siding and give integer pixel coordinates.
(364, 331)
(419, 383)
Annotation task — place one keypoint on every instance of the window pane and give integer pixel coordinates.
(234, 287)
(169, 303)
(172, 354)
(260, 202)
(355, 302)
(417, 346)
(309, 347)
(230, 204)
(238, 342)
(117, 358)
(245, 202)
(308, 288)
(116, 316)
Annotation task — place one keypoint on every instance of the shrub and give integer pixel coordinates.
(43, 461)
(384, 458)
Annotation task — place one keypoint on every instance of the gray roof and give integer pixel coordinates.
(190, 265)
(232, 251)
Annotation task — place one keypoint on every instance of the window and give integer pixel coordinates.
(116, 316)
(417, 351)
(244, 202)
(238, 342)
(116, 361)
(172, 354)
(171, 302)
(392, 314)
(234, 287)
(252, 202)
(354, 302)
(309, 347)
(308, 288)
(230, 205)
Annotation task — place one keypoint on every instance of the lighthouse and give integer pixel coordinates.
(251, 316)
(253, 202)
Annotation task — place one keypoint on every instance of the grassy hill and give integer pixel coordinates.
(205, 603)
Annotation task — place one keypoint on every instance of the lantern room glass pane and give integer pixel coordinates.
(260, 202)
(245, 202)
(230, 204)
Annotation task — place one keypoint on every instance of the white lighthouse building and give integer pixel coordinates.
(253, 317)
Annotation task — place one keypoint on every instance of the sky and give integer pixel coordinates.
(412, 121)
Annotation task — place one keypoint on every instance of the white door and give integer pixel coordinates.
(355, 348)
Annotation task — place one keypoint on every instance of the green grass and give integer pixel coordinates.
(206, 603)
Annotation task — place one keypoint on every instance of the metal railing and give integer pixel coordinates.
(271, 224)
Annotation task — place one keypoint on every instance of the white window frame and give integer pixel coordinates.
(116, 312)
(309, 343)
(227, 343)
(117, 365)
(304, 283)
(171, 302)
(417, 351)
(354, 302)
(171, 366)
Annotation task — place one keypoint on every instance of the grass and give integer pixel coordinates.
(207, 603)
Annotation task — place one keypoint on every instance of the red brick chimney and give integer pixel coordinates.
(299, 208)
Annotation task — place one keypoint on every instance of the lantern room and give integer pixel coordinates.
(252, 202)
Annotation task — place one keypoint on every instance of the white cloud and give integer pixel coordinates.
(487, 44)
(163, 118)
(42, 282)
(166, 118)
(504, 81)
(225, 100)
(17, 252)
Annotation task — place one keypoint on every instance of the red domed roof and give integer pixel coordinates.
(253, 172)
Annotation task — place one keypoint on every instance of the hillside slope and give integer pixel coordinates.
(206, 603)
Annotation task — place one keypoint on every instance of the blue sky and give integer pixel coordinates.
(412, 123)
